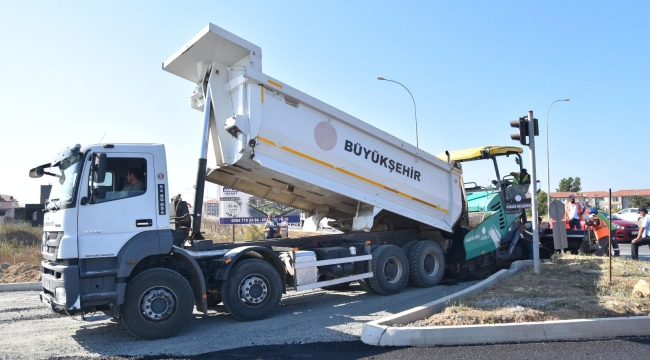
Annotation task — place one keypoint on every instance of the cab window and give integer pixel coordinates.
(125, 178)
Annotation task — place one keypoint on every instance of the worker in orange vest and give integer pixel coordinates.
(601, 230)
(573, 212)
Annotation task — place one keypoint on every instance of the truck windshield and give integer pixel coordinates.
(66, 172)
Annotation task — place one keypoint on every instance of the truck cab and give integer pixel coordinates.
(91, 223)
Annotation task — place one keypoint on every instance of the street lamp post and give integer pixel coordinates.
(414, 107)
(548, 161)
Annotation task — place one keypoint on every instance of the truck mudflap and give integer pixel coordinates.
(198, 281)
(60, 286)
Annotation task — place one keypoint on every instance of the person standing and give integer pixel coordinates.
(612, 230)
(270, 227)
(574, 212)
(643, 237)
(284, 227)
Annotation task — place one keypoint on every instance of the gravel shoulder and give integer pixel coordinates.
(32, 331)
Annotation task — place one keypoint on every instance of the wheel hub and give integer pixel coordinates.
(158, 304)
(254, 289)
(430, 265)
(393, 269)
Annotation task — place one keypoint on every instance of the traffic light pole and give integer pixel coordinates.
(533, 176)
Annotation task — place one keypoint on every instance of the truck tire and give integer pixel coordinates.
(365, 286)
(426, 264)
(253, 290)
(408, 245)
(158, 303)
(390, 268)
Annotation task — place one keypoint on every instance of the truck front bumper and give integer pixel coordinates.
(60, 286)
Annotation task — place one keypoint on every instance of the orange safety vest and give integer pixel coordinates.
(602, 230)
(567, 208)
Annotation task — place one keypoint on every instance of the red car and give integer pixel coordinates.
(625, 230)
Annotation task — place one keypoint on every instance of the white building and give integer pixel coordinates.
(7, 206)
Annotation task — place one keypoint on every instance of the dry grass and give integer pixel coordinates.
(20, 243)
(569, 287)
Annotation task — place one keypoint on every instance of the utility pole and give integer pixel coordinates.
(528, 129)
(533, 176)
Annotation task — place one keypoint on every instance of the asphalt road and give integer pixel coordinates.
(644, 251)
(624, 348)
(31, 331)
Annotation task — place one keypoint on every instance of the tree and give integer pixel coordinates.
(569, 185)
(542, 203)
(541, 206)
(639, 201)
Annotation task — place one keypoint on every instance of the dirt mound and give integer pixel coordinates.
(21, 272)
(516, 314)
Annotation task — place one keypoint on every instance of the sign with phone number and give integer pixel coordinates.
(256, 220)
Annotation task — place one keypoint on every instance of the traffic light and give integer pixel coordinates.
(522, 125)
(522, 135)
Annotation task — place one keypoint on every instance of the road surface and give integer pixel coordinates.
(30, 330)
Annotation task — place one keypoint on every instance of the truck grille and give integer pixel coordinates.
(50, 244)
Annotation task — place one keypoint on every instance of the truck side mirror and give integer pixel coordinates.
(36, 172)
(99, 169)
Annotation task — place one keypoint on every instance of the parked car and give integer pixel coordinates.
(625, 230)
(629, 214)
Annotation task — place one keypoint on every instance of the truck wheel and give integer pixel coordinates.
(253, 290)
(408, 245)
(426, 264)
(158, 304)
(365, 286)
(390, 268)
(407, 248)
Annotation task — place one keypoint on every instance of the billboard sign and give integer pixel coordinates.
(239, 208)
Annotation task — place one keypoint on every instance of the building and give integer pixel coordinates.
(600, 199)
(625, 196)
(211, 207)
(7, 208)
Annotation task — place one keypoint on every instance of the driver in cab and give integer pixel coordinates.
(134, 177)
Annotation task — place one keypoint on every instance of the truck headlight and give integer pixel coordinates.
(59, 295)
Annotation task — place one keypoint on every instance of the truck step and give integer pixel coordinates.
(105, 295)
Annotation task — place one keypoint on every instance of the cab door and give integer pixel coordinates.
(105, 225)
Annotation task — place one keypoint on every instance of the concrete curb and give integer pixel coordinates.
(382, 332)
(25, 286)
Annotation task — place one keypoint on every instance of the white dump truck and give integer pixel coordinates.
(116, 241)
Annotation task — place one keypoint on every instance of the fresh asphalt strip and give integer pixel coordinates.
(383, 332)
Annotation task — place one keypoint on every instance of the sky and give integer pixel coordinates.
(77, 72)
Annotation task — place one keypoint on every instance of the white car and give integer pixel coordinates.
(630, 214)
